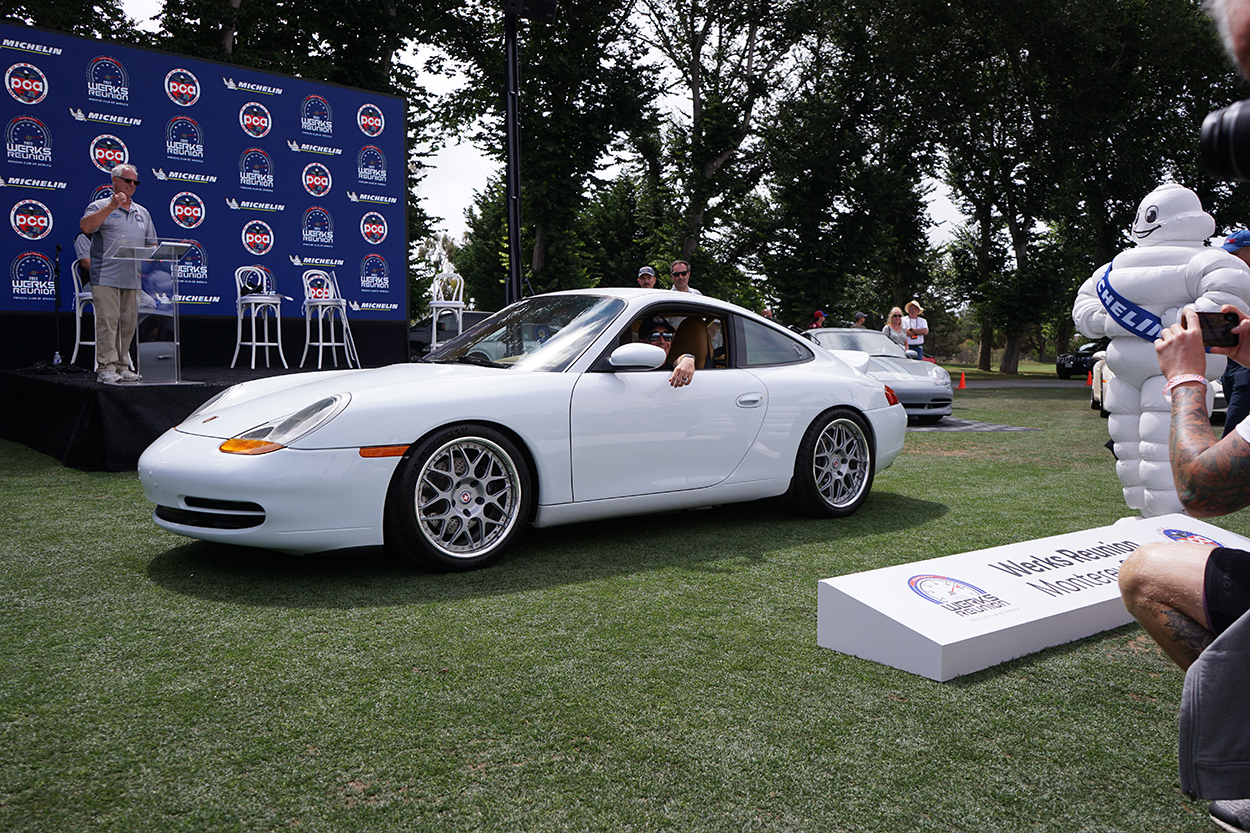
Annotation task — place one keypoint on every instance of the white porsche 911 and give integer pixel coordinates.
(549, 412)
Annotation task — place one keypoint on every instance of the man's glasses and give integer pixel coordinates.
(679, 274)
(131, 181)
(658, 336)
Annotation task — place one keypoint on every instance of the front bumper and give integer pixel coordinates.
(290, 500)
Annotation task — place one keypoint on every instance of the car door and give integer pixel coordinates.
(633, 434)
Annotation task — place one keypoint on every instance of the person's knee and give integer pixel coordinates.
(1138, 574)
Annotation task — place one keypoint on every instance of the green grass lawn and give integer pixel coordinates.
(654, 673)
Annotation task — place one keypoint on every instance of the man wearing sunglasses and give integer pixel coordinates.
(116, 283)
(680, 273)
(656, 330)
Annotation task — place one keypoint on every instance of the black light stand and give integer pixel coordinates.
(543, 11)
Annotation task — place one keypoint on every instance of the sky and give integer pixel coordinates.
(460, 170)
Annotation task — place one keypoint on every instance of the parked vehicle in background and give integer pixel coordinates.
(1102, 376)
(419, 335)
(923, 387)
(1080, 362)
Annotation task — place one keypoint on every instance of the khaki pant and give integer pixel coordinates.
(116, 316)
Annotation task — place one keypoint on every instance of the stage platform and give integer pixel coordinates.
(97, 427)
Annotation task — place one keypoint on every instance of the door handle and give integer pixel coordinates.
(750, 400)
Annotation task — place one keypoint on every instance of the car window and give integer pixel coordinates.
(716, 344)
(762, 345)
(544, 333)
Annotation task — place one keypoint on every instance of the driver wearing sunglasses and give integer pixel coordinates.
(656, 330)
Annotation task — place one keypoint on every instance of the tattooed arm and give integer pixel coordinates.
(1212, 475)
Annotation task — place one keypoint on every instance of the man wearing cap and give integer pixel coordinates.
(646, 278)
(1236, 379)
(859, 319)
(917, 328)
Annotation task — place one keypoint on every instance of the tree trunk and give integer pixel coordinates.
(987, 347)
(1011, 356)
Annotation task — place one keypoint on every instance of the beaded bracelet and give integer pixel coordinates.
(1182, 379)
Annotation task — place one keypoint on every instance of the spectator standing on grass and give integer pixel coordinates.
(680, 273)
(646, 278)
(894, 328)
(917, 328)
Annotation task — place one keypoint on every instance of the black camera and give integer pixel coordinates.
(1225, 143)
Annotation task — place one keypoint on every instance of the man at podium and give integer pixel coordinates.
(115, 282)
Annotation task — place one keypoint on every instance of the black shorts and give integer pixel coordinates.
(1226, 588)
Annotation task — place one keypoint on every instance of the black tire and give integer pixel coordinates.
(460, 499)
(1064, 374)
(833, 469)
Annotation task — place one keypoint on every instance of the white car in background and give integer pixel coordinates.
(548, 412)
(1102, 375)
(923, 387)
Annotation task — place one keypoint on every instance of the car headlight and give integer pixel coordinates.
(940, 377)
(281, 432)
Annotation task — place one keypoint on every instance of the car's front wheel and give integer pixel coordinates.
(460, 499)
(833, 470)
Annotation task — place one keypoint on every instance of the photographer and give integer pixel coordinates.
(1185, 594)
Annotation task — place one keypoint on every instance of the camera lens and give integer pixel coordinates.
(1225, 142)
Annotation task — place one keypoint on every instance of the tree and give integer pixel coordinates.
(88, 18)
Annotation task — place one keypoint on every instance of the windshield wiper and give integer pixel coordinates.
(471, 358)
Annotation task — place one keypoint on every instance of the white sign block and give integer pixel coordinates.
(958, 614)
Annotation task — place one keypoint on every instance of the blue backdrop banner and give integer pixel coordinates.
(264, 172)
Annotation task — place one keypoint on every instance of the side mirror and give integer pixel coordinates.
(637, 357)
(911, 354)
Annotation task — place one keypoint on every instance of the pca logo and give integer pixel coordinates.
(318, 226)
(255, 120)
(1185, 536)
(182, 87)
(193, 266)
(28, 141)
(26, 83)
(31, 277)
(257, 237)
(375, 274)
(373, 227)
(371, 165)
(107, 81)
(107, 152)
(256, 169)
(31, 219)
(315, 116)
(184, 139)
(317, 180)
(370, 120)
(187, 209)
(103, 192)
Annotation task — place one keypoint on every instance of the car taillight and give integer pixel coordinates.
(890, 395)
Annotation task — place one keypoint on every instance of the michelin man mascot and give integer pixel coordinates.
(1130, 299)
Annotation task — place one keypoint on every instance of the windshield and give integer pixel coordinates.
(546, 332)
(866, 341)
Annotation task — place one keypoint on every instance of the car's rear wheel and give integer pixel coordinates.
(460, 499)
(833, 470)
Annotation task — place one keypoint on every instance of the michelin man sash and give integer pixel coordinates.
(1128, 315)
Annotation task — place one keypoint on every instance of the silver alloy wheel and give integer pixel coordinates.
(468, 497)
(840, 463)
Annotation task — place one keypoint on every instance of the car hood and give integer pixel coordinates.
(883, 368)
(385, 405)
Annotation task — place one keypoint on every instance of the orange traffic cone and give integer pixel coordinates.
(1089, 380)
(961, 380)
